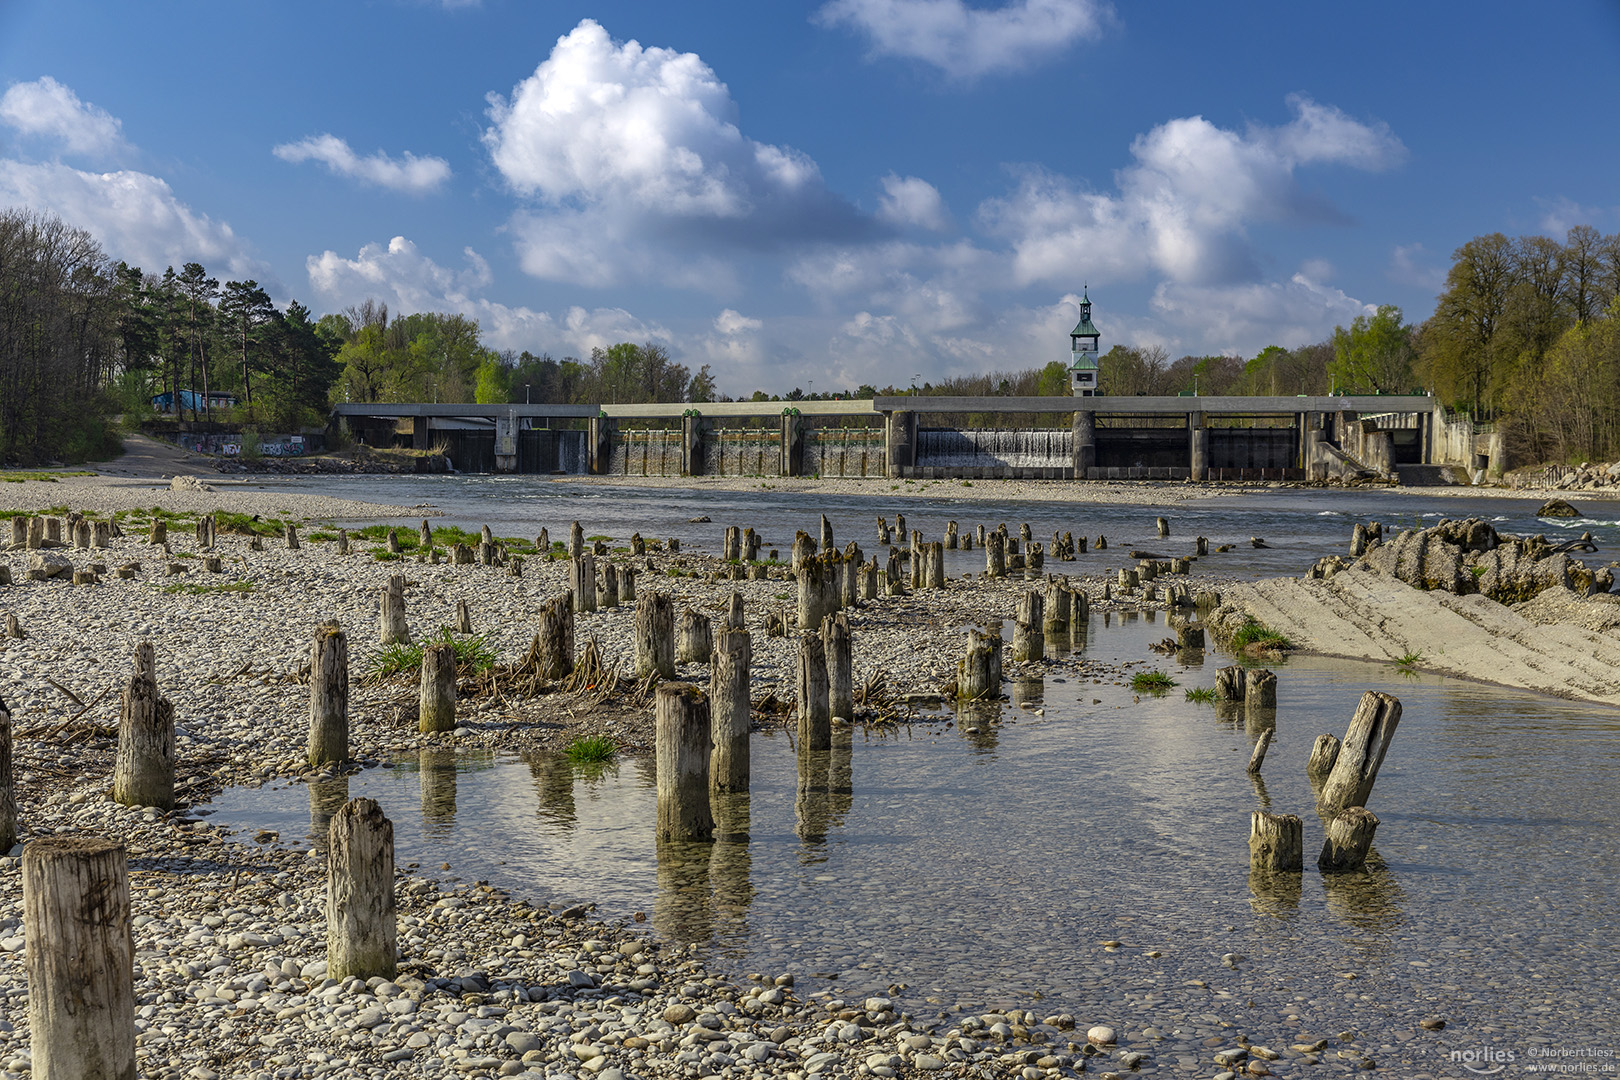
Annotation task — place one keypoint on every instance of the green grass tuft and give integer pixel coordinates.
(592, 750)
(1151, 682)
(1410, 660)
(472, 655)
(1255, 632)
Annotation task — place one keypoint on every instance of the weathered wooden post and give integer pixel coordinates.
(627, 584)
(463, 618)
(81, 534)
(1029, 637)
(392, 542)
(328, 696)
(894, 582)
(826, 535)
(1276, 842)
(1129, 580)
(1101, 544)
(291, 532)
(392, 628)
(1229, 683)
(542, 543)
(1261, 745)
(837, 647)
(361, 927)
(1201, 546)
(158, 533)
(900, 525)
(343, 542)
(638, 546)
(1349, 835)
(681, 716)
(1191, 636)
(576, 541)
(143, 774)
(655, 635)
(8, 785)
(1058, 608)
(19, 533)
(934, 565)
(804, 549)
(554, 640)
(461, 555)
(1260, 690)
(53, 529)
(1361, 753)
(582, 581)
(1164, 527)
(607, 595)
(812, 590)
(424, 536)
(695, 642)
(729, 709)
(734, 611)
(80, 959)
(952, 540)
(815, 722)
(731, 549)
(1034, 560)
(979, 674)
(1147, 569)
(869, 580)
(1324, 752)
(436, 702)
(995, 555)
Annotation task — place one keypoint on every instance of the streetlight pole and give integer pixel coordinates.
(526, 400)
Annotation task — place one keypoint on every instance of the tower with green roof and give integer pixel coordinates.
(1083, 371)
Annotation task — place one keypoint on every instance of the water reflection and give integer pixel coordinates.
(979, 722)
(437, 769)
(326, 797)
(812, 798)
(1261, 795)
(554, 784)
(730, 867)
(1370, 902)
(683, 910)
(1275, 894)
(1257, 720)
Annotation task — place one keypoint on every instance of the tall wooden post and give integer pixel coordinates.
(143, 774)
(1361, 753)
(8, 785)
(576, 541)
(329, 696)
(437, 699)
(80, 959)
(582, 581)
(361, 927)
(729, 709)
(654, 635)
(815, 726)
(681, 718)
(392, 628)
(836, 645)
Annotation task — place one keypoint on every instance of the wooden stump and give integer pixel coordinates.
(934, 565)
(836, 645)
(514, 568)
(979, 674)
(1057, 609)
(393, 542)
(392, 628)
(1034, 560)
(815, 721)
(638, 546)
(995, 555)
(826, 535)
(734, 611)
(81, 534)
(655, 636)
(673, 544)
(554, 640)
(461, 555)
(1147, 569)
(1129, 580)
(1164, 527)
(1349, 835)
(804, 549)
(607, 595)
(576, 541)
(436, 709)
(1201, 546)
(582, 581)
(952, 540)
(1324, 752)
(1260, 690)
(361, 926)
(424, 537)
(84, 577)
(1079, 612)
(1361, 753)
(1029, 638)
(291, 532)
(463, 618)
(145, 661)
(695, 641)
(1276, 842)
(894, 583)
(328, 696)
(731, 546)
(80, 959)
(143, 774)
(681, 719)
(53, 530)
(157, 534)
(813, 606)
(8, 785)
(1261, 745)
(730, 709)
(1229, 683)
(343, 542)
(869, 580)
(214, 564)
(19, 533)
(627, 584)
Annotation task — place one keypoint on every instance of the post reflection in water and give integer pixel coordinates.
(1190, 658)
(326, 797)
(436, 771)
(554, 784)
(978, 722)
(1370, 900)
(1275, 894)
(729, 867)
(812, 799)
(1257, 719)
(1030, 692)
(684, 907)
(840, 777)
(1260, 792)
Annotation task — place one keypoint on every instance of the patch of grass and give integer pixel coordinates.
(384, 555)
(592, 750)
(1151, 682)
(321, 536)
(1477, 571)
(1409, 661)
(1203, 695)
(472, 655)
(243, 587)
(247, 524)
(1255, 632)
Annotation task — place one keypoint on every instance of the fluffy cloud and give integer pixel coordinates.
(1410, 264)
(966, 42)
(48, 110)
(912, 203)
(635, 165)
(408, 281)
(1243, 319)
(137, 218)
(1183, 208)
(411, 174)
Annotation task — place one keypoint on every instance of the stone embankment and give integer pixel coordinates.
(1458, 599)
(1587, 476)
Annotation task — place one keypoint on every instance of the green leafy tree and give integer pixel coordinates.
(1374, 354)
(244, 310)
(492, 387)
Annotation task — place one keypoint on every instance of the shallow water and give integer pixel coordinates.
(987, 868)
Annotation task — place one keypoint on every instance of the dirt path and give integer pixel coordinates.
(147, 458)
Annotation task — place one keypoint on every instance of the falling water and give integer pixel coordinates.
(994, 448)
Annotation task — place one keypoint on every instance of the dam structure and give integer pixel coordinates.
(925, 437)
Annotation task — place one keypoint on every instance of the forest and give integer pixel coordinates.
(1525, 333)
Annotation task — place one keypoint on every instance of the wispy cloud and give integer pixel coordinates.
(967, 42)
(410, 174)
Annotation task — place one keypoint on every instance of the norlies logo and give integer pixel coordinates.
(1484, 1060)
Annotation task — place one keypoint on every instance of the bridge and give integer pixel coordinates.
(913, 436)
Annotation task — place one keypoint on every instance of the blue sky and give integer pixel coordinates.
(842, 191)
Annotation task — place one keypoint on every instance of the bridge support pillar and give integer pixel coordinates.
(419, 433)
(792, 444)
(692, 443)
(1198, 446)
(900, 431)
(599, 440)
(1085, 444)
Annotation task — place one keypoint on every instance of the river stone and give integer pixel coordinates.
(522, 1042)
(679, 1014)
(1100, 1035)
(927, 1063)
(1558, 508)
(50, 563)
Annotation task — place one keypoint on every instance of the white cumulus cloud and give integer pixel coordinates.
(48, 110)
(1241, 320)
(910, 202)
(409, 173)
(1182, 209)
(136, 216)
(636, 167)
(966, 42)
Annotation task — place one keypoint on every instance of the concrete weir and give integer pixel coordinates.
(1035, 438)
